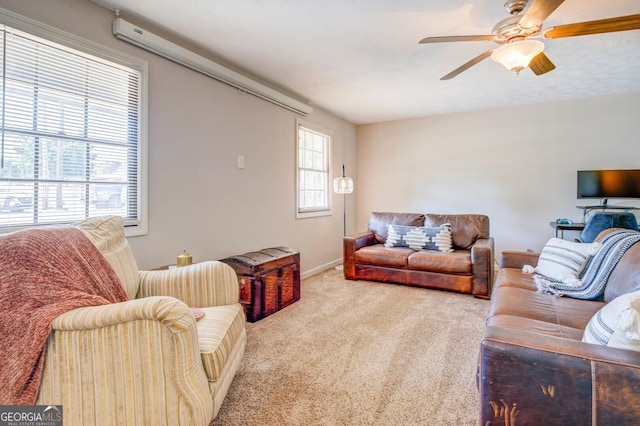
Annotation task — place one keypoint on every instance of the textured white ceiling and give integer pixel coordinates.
(360, 59)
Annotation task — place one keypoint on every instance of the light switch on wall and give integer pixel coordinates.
(241, 161)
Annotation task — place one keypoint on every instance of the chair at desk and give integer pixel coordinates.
(601, 221)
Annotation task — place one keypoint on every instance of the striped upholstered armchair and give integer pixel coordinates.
(146, 361)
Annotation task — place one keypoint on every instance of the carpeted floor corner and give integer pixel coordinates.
(360, 353)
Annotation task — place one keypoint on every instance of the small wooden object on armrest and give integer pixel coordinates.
(164, 267)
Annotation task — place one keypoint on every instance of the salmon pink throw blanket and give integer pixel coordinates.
(44, 273)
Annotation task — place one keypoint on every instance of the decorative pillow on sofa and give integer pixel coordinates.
(563, 260)
(420, 237)
(616, 324)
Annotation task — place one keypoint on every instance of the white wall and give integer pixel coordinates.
(198, 199)
(518, 165)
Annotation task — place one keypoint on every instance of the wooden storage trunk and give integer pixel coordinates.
(269, 280)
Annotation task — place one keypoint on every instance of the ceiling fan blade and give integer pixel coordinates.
(444, 39)
(609, 25)
(468, 65)
(541, 64)
(538, 12)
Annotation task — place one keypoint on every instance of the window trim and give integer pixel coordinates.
(68, 40)
(315, 213)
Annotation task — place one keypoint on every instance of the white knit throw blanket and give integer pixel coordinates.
(594, 278)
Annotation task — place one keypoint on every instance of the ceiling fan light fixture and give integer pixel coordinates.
(517, 55)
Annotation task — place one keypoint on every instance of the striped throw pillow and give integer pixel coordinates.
(563, 261)
(420, 237)
(616, 324)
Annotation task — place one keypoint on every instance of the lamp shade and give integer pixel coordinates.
(343, 185)
(517, 55)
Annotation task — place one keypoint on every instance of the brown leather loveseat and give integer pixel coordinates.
(535, 369)
(468, 268)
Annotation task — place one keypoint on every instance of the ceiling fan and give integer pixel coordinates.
(517, 34)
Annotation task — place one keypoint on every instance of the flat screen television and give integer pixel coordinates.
(608, 184)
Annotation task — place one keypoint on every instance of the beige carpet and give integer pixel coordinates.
(360, 353)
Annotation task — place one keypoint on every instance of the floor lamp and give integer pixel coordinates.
(343, 185)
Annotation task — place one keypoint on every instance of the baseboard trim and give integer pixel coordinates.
(321, 268)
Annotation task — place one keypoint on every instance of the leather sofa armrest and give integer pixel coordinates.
(559, 346)
(517, 259)
(482, 266)
(536, 377)
(349, 247)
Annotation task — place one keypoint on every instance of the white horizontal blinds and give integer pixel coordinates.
(313, 164)
(71, 130)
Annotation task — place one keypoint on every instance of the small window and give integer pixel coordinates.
(71, 135)
(314, 147)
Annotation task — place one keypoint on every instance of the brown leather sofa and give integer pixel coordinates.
(534, 368)
(468, 269)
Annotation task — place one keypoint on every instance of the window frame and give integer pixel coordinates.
(325, 210)
(139, 226)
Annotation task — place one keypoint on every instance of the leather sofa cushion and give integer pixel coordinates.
(625, 278)
(378, 222)
(562, 311)
(466, 228)
(543, 327)
(458, 262)
(379, 255)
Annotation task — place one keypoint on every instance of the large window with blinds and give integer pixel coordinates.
(71, 133)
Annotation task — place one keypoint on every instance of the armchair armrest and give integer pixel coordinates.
(548, 379)
(167, 310)
(349, 246)
(200, 285)
(482, 264)
(137, 360)
(517, 259)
